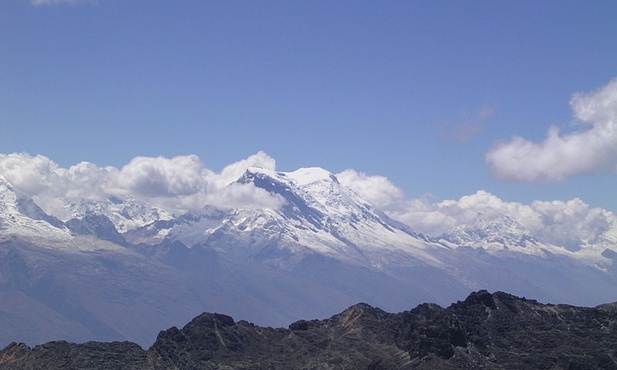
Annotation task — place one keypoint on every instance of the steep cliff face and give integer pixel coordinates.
(485, 331)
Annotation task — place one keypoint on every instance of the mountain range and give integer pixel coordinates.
(120, 267)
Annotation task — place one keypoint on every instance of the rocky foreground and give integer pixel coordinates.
(485, 331)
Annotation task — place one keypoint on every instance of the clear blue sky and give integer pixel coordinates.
(417, 91)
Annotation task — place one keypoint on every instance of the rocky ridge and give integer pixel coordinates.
(484, 331)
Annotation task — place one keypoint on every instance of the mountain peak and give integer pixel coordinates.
(323, 215)
(309, 175)
(493, 233)
(314, 191)
(125, 213)
(21, 216)
(260, 170)
(300, 177)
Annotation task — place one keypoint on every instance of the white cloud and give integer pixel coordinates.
(563, 155)
(163, 177)
(377, 190)
(224, 192)
(87, 181)
(178, 184)
(31, 175)
(570, 223)
(438, 218)
(233, 171)
(183, 183)
(565, 223)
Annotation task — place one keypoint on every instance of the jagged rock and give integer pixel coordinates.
(485, 331)
(61, 355)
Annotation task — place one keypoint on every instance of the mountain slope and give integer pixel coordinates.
(20, 216)
(319, 216)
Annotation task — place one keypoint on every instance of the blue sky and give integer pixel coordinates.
(416, 91)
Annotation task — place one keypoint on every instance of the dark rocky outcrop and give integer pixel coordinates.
(61, 355)
(485, 331)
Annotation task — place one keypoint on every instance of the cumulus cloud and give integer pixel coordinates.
(178, 184)
(31, 175)
(377, 190)
(566, 223)
(438, 218)
(163, 177)
(233, 171)
(571, 222)
(563, 155)
(184, 183)
(223, 191)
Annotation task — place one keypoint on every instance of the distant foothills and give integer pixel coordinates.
(91, 253)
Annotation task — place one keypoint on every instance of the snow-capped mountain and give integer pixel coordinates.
(112, 268)
(125, 214)
(506, 236)
(20, 216)
(319, 216)
(501, 233)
